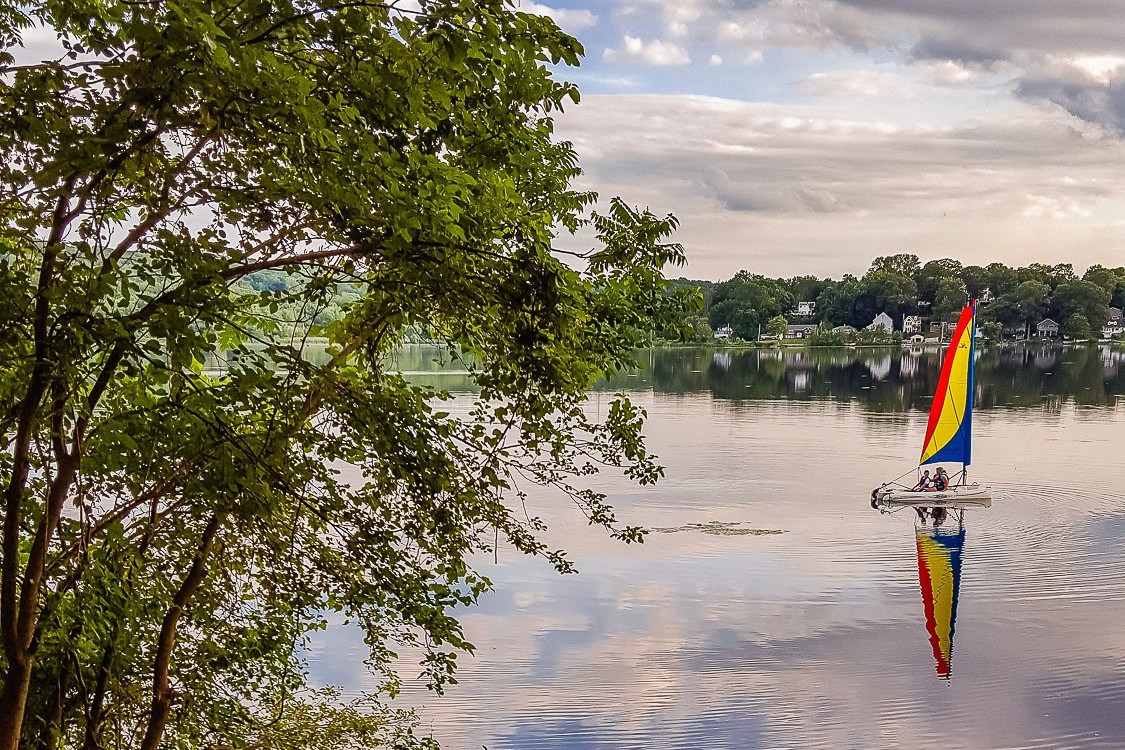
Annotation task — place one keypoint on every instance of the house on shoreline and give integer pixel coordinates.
(799, 331)
(1047, 329)
(884, 321)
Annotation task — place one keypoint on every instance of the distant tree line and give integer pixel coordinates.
(1013, 300)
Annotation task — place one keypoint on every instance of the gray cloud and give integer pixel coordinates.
(1092, 26)
(957, 50)
(1094, 102)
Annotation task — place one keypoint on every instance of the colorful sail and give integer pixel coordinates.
(939, 572)
(950, 429)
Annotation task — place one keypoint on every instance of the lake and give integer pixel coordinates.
(772, 607)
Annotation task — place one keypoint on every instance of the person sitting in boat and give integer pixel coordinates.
(923, 483)
(941, 480)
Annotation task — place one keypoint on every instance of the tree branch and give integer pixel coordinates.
(161, 687)
(235, 272)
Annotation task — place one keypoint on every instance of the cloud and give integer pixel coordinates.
(994, 28)
(956, 43)
(569, 20)
(956, 50)
(867, 126)
(37, 43)
(1090, 88)
(1091, 101)
(752, 27)
(851, 83)
(823, 193)
(950, 73)
(656, 52)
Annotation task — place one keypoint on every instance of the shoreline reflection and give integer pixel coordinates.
(884, 380)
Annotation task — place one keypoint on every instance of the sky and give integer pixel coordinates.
(796, 137)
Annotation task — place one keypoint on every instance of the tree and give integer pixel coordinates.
(1110, 279)
(741, 317)
(1077, 328)
(976, 281)
(746, 301)
(1031, 299)
(991, 330)
(1006, 313)
(835, 304)
(931, 275)
(824, 335)
(1001, 279)
(700, 330)
(1052, 276)
(1081, 297)
(950, 298)
(777, 326)
(806, 288)
(903, 264)
(889, 292)
(178, 148)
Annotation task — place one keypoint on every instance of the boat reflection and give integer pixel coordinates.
(940, 538)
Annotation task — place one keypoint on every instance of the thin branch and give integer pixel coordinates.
(286, 260)
(164, 207)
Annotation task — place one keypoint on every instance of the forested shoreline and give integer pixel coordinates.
(1011, 299)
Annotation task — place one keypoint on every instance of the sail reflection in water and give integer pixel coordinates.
(939, 573)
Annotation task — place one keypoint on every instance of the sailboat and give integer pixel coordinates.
(949, 433)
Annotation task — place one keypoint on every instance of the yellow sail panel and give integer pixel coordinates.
(948, 431)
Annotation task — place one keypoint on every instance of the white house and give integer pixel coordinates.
(724, 333)
(882, 320)
(911, 324)
(1114, 324)
(805, 309)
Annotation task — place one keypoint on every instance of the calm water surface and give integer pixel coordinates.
(715, 634)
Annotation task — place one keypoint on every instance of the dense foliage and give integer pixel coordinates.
(1011, 299)
(203, 175)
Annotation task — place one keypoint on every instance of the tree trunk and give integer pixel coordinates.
(13, 700)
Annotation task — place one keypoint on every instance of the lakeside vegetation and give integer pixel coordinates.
(757, 309)
(1012, 301)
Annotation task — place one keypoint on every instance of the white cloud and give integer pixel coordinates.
(950, 73)
(715, 60)
(38, 43)
(569, 20)
(850, 83)
(656, 52)
(1102, 68)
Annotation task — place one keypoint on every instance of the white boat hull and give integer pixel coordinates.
(958, 496)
